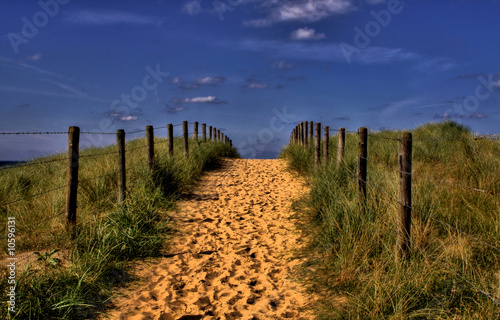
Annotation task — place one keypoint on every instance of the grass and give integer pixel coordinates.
(351, 260)
(73, 279)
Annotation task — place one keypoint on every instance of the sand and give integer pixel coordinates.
(231, 258)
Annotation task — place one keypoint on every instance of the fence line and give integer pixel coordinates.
(28, 164)
(74, 157)
(32, 133)
(32, 196)
(299, 136)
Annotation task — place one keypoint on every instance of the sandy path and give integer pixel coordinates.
(231, 258)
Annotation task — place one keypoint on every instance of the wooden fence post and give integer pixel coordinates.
(185, 136)
(214, 131)
(326, 145)
(299, 133)
(340, 149)
(404, 219)
(311, 131)
(306, 133)
(150, 140)
(204, 132)
(72, 175)
(362, 157)
(195, 131)
(218, 135)
(210, 133)
(317, 145)
(122, 182)
(170, 133)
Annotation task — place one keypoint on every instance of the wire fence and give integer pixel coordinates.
(4, 205)
(301, 135)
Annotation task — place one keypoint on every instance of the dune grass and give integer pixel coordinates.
(73, 279)
(351, 260)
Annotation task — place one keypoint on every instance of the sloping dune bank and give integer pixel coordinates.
(231, 258)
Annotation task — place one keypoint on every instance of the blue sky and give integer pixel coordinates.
(253, 68)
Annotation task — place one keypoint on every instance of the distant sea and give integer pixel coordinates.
(9, 163)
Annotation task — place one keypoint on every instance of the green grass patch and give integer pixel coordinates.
(352, 264)
(73, 278)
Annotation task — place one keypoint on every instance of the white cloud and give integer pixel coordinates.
(326, 52)
(108, 17)
(209, 100)
(192, 7)
(306, 34)
(128, 118)
(300, 10)
(210, 80)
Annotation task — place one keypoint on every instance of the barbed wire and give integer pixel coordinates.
(163, 127)
(136, 131)
(135, 148)
(449, 226)
(33, 133)
(91, 132)
(97, 154)
(33, 196)
(102, 176)
(382, 137)
(491, 193)
(28, 164)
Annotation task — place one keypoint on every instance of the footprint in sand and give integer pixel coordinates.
(229, 259)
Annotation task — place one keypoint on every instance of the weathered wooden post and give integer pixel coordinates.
(326, 145)
(299, 133)
(185, 138)
(340, 149)
(317, 145)
(170, 137)
(204, 132)
(362, 162)
(215, 133)
(150, 140)
(218, 136)
(195, 131)
(404, 219)
(122, 179)
(210, 133)
(311, 131)
(306, 133)
(72, 176)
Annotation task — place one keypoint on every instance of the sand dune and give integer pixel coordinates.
(231, 257)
